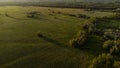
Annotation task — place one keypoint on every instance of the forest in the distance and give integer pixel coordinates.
(65, 3)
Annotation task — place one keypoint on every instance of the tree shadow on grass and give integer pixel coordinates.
(15, 18)
(52, 41)
(93, 45)
(12, 17)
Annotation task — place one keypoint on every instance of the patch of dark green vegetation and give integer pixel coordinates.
(107, 44)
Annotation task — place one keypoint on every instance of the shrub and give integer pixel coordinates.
(89, 27)
(116, 64)
(115, 50)
(112, 47)
(83, 16)
(117, 16)
(81, 36)
(40, 35)
(73, 15)
(32, 14)
(49, 9)
(53, 11)
(98, 32)
(79, 40)
(102, 61)
(73, 43)
(108, 44)
(109, 34)
(59, 12)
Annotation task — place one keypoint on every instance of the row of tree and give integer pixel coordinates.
(104, 60)
(111, 47)
(87, 29)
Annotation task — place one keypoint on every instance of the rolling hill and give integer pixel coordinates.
(20, 46)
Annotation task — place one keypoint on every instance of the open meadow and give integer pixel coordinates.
(43, 41)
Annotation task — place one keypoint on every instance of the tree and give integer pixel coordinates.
(83, 16)
(102, 61)
(115, 50)
(108, 44)
(112, 46)
(109, 34)
(116, 64)
(79, 40)
(89, 27)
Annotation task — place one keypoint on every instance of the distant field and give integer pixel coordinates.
(20, 46)
(111, 23)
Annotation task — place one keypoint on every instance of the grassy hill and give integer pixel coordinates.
(20, 46)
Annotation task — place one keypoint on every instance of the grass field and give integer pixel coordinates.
(20, 46)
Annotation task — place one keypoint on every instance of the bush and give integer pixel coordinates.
(89, 28)
(83, 16)
(73, 43)
(59, 12)
(117, 16)
(79, 40)
(98, 32)
(102, 61)
(73, 15)
(108, 44)
(40, 35)
(109, 34)
(53, 11)
(112, 47)
(115, 51)
(32, 14)
(116, 64)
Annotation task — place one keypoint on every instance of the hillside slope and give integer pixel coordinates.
(20, 46)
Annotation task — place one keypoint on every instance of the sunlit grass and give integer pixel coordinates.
(20, 44)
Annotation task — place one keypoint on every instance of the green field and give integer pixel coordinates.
(20, 46)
